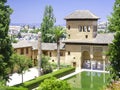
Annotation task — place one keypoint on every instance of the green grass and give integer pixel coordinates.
(88, 81)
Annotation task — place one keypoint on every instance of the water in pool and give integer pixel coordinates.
(88, 81)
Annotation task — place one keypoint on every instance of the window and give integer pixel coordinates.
(61, 54)
(88, 28)
(50, 54)
(68, 27)
(86, 36)
(22, 50)
(68, 36)
(80, 28)
(68, 52)
(84, 28)
(27, 50)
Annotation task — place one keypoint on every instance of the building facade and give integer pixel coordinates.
(84, 47)
(30, 49)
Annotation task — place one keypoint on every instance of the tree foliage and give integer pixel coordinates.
(114, 20)
(56, 33)
(114, 53)
(35, 31)
(114, 47)
(24, 31)
(45, 61)
(45, 64)
(48, 23)
(5, 43)
(22, 63)
(54, 84)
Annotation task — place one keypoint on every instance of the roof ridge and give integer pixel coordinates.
(82, 14)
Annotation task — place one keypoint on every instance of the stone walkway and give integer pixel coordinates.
(28, 75)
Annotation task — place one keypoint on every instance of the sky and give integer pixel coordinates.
(31, 11)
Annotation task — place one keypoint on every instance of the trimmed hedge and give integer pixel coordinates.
(36, 82)
(13, 88)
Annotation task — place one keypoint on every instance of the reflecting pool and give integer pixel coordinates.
(88, 80)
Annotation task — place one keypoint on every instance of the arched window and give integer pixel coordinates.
(88, 28)
(80, 28)
(84, 28)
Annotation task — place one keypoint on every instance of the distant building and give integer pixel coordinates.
(14, 30)
(102, 26)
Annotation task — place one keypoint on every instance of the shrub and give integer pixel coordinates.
(54, 84)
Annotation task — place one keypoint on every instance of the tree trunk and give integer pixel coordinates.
(39, 53)
(58, 54)
(22, 76)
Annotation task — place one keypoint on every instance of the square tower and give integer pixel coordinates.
(81, 25)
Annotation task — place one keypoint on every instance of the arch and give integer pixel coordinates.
(97, 57)
(85, 63)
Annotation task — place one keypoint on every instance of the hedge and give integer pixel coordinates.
(36, 82)
(13, 88)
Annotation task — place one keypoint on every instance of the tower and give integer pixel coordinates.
(81, 25)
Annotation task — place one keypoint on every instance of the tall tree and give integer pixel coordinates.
(5, 43)
(114, 47)
(56, 33)
(114, 53)
(114, 19)
(48, 23)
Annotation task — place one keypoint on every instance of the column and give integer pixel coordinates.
(103, 57)
(80, 54)
(80, 60)
(91, 55)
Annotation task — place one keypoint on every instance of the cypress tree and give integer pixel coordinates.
(114, 47)
(48, 23)
(114, 19)
(5, 42)
(114, 53)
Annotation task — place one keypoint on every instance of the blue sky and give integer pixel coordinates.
(31, 11)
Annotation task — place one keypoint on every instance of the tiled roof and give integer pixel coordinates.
(48, 46)
(104, 38)
(34, 45)
(21, 44)
(100, 39)
(81, 14)
(45, 46)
